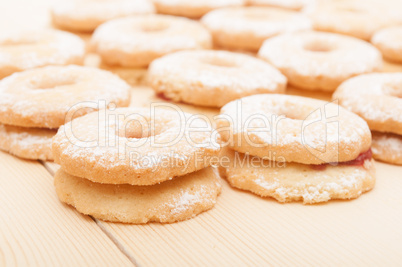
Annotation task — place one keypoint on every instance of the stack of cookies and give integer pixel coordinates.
(35, 103)
(376, 97)
(134, 165)
(294, 148)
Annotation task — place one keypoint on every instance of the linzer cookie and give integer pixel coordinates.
(389, 42)
(318, 60)
(86, 15)
(34, 103)
(246, 28)
(136, 41)
(24, 50)
(377, 99)
(295, 149)
(193, 8)
(171, 201)
(133, 165)
(212, 78)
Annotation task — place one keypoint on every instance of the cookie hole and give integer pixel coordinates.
(154, 27)
(135, 130)
(392, 89)
(317, 46)
(220, 62)
(137, 127)
(256, 14)
(51, 84)
(15, 42)
(350, 9)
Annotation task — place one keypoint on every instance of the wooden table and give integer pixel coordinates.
(243, 229)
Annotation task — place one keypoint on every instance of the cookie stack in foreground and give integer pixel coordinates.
(295, 148)
(134, 165)
(376, 97)
(35, 103)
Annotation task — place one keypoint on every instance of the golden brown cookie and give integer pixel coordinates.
(387, 147)
(289, 4)
(24, 50)
(48, 97)
(297, 129)
(179, 199)
(212, 78)
(27, 143)
(138, 146)
(248, 27)
(357, 18)
(375, 97)
(136, 41)
(320, 61)
(193, 8)
(86, 15)
(287, 182)
(389, 42)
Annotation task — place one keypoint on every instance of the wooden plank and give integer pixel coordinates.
(36, 229)
(246, 229)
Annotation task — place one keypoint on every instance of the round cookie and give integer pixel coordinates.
(389, 42)
(297, 129)
(27, 143)
(212, 78)
(387, 147)
(36, 48)
(247, 27)
(86, 15)
(47, 97)
(136, 41)
(376, 98)
(138, 146)
(193, 8)
(287, 182)
(289, 4)
(318, 60)
(176, 200)
(360, 19)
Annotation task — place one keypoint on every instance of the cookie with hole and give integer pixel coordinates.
(136, 41)
(179, 199)
(320, 61)
(212, 78)
(28, 49)
(376, 98)
(137, 146)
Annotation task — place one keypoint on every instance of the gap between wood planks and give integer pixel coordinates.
(119, 245)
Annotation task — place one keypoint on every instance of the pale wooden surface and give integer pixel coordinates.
(243, 229)
(36, 229)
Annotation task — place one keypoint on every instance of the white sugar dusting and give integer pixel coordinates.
(176, 151)
(305, 127)
(129, 35)
(188, 68)
(314, 186)
(101, 10)
(73, 88)
(375, 97)
(260, 21)
(50, 47)
(212, 4)
(347, 56)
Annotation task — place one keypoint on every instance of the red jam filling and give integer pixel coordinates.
(359, 161)
(163, 96)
